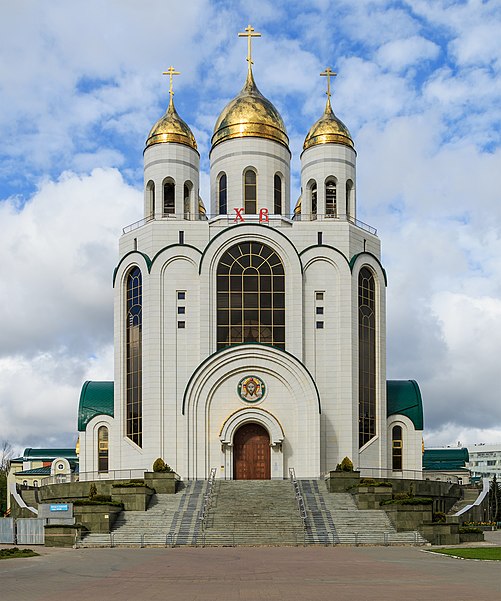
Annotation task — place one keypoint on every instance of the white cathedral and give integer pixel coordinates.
(249, 339)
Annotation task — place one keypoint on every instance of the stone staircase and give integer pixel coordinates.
(170, 520)
(333, 518)
(253, 512)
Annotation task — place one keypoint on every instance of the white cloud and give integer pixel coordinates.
(401, 54)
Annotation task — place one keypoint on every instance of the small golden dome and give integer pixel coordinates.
(250, 114)
(171, 128)
(328, 130)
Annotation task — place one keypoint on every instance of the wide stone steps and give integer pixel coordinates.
(333, 518)
(253, 512)
(169, 520)
(245, 513)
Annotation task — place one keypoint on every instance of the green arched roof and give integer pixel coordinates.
(445, 459)
(404, 398)
(96, 398)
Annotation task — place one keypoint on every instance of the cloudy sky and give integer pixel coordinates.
(419, 86)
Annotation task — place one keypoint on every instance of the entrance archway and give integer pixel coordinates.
(251, 453)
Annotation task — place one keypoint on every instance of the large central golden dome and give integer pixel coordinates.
(250, 114)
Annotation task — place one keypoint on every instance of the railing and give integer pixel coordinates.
(299, 497)
(91, 476)
(379, 472)
(206, 505)
(232, 219)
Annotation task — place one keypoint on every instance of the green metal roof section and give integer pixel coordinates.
(404, 398)
(96, 398)
(445, 459)
(48, 454)
(37, 471)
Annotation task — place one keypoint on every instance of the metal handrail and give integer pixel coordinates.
(299, 497)
(232, 218)
(206, 505)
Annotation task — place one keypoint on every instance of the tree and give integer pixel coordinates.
(6, 452)
(495, 500)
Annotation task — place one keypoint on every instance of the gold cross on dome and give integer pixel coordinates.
(328, 73)
(250, 33)
(171, 72)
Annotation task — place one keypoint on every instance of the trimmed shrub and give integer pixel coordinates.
(439, 517)
(159, 465)
(371, 482)
(79, 502)
(345, 466)
(131, 484)
(470, 530)
(409, 501)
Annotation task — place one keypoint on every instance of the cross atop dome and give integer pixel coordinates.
(250, 33)
(171, 72)
(328, 73)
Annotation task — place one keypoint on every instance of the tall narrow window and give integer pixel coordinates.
(150, 195)
(277, 195)
(250, 296)
(133, 359)
(330, 199)
(102, 449)
(250, 192)
(349, 198)
(169, 198)
(366, 356)
(397, 448)
(313, 193)
(187, 194)
(223, 195)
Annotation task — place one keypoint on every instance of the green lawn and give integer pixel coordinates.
(15, 552)
(493, 553)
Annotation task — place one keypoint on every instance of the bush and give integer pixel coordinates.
(400, 496)
(80, 502)
(159, 465)
(371, 482)
(345, 466)
(408, 501)
(92, 491)
(130, 484)
(470, 530)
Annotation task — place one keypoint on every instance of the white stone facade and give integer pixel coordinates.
(191, 409)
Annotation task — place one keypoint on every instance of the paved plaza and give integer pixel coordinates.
(235, 574)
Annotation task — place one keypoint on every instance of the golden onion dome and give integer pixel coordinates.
(328, 130)
(171, 128)
(250, 114)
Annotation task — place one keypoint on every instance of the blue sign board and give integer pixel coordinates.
(59, 507)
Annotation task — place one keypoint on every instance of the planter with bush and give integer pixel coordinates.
(163, 479)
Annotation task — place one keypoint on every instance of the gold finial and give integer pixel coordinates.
(328, 73)
(250, 33)
(171, 72)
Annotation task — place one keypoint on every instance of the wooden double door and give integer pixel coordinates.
(251, 453)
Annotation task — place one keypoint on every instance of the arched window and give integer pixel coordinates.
(35, 483)
(277, 195)
(150, 195)
(250, 296)
(366, 356)
(102, 449)
(313, 195)
(349, 198)
(133, 325)
(330, 199)
(223, 195)
(169, 198)
(186, 196)
(397, 448)
(250, 192)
